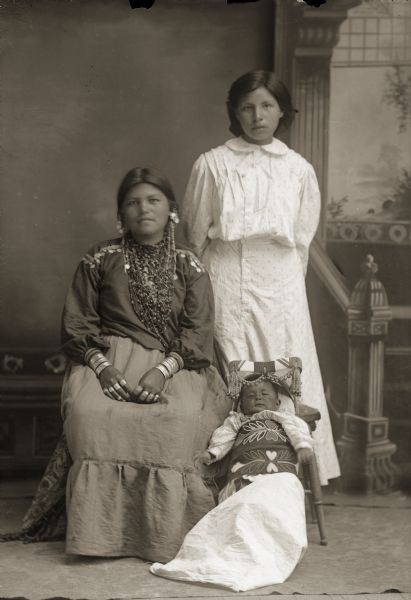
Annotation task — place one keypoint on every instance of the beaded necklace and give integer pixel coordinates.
(151, 273)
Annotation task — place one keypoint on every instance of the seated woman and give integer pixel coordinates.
(140, 397)
(257, 534)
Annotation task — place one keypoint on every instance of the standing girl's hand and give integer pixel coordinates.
(114, 385)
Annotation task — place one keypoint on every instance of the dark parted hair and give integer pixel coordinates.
(251, 81)
(145, 175)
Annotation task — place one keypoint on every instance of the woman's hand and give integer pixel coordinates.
(150, 387)
(114, 385)
(304, 455)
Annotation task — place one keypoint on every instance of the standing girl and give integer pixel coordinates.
(251, 211)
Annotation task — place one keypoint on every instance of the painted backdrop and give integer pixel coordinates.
(90, 90)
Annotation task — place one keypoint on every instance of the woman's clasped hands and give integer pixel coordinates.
(150, 387)
(148, 391)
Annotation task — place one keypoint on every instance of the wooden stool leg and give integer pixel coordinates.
(308, 491)
(317, 498)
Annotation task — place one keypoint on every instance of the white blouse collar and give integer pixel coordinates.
(239, 144)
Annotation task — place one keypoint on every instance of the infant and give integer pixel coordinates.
(264, 435)
(257, 536)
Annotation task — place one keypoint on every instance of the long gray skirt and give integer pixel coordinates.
(133, 489)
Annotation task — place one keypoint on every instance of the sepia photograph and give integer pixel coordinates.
(205, 299)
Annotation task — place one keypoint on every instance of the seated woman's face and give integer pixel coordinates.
(145, 212)
(259, 115)
(259, 396)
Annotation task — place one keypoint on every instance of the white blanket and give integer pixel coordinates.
(254, 538)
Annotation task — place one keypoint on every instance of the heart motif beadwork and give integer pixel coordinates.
(271, 467)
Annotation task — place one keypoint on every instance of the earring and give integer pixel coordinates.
(174, 217)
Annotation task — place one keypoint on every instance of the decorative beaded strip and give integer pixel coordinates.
(237, 380)
(193, 260)
(95, 260)
(285, 372)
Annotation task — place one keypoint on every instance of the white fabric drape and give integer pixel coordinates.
(254, 538)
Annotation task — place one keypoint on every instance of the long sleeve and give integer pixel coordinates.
(197, 214)
(309, 214)
(194, 342)
(81, 320)
(223, 437)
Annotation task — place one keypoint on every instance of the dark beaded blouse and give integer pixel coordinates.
(98, 305)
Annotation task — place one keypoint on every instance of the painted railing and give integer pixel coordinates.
(364, 448)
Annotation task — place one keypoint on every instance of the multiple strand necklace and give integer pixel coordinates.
(151, 272)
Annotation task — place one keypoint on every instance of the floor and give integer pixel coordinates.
(369, 553)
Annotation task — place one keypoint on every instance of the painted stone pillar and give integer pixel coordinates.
(364, 448)
(305, 37)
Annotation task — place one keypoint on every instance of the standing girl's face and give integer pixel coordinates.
(259, 115)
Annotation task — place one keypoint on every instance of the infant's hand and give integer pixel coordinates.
(204, 458)
(304, 455)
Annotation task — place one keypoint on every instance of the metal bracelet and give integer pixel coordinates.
(178, 358)
(168, 366)
(163, 370)
(95, 363)
(98, 370)
(95, 357)
(171, 364)
(90, 353)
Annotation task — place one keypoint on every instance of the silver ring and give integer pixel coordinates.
(117, 386)
(110, 389)
(144, 395)
(156, 397)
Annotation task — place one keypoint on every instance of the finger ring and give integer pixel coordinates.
(117, 386)
(105, 390)
(156, 397)
(144, 395)
(111, 389)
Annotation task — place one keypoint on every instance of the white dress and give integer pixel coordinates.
(250, 212)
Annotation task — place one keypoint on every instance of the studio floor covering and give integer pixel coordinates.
(369, 552)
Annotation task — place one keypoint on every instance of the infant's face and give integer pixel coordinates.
(259, 396)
